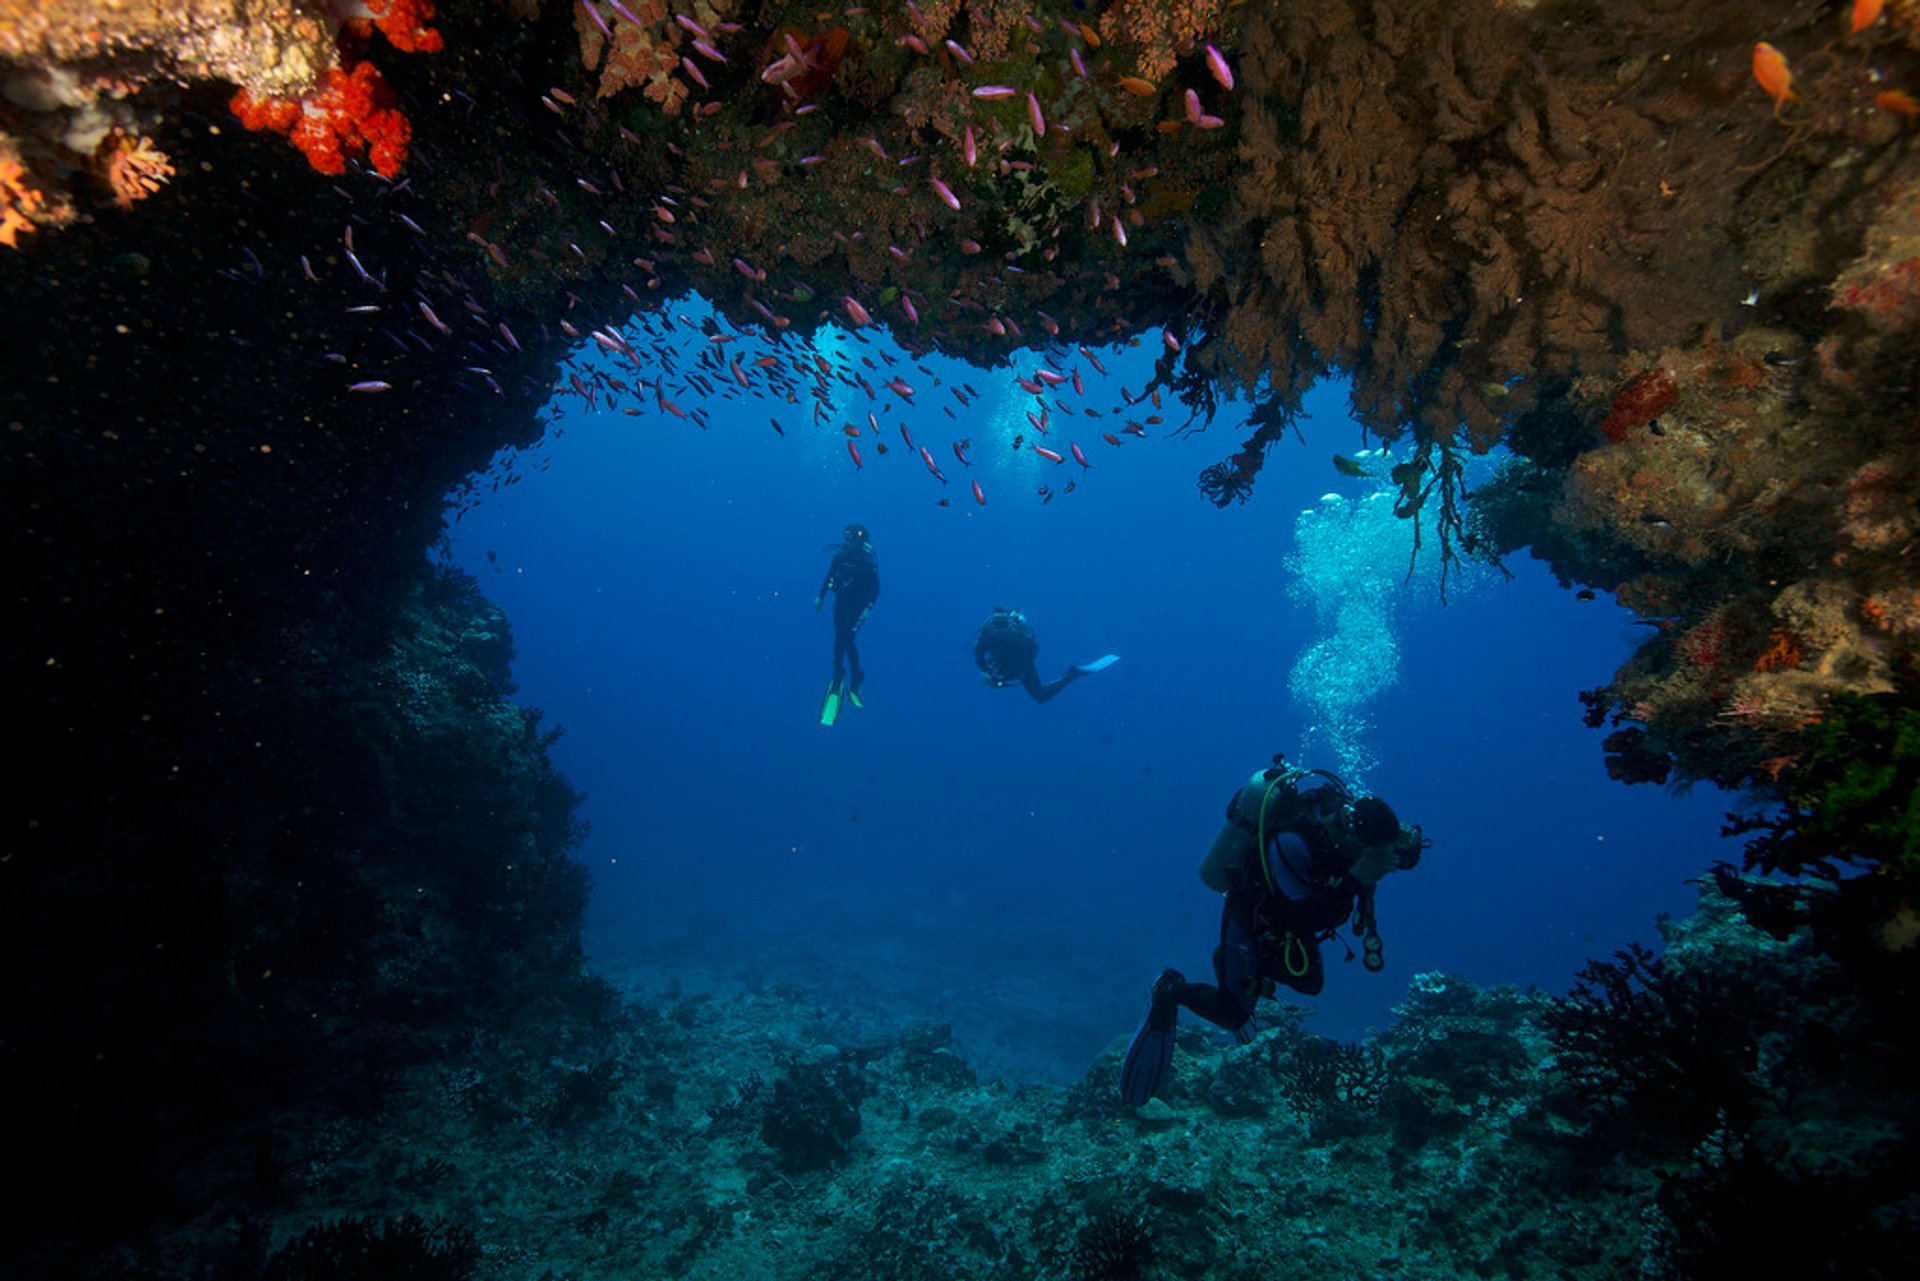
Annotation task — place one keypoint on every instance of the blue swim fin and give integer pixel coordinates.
(1099, 664)
(1151, 1054)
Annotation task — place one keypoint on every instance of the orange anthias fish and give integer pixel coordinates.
(1770, 69)
(1898, 101)
(1865, 13)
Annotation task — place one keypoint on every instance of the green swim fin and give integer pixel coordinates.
(853, 696)
(830, 706)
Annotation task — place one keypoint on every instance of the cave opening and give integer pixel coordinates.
(658, 572)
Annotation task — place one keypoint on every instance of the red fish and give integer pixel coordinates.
(853, 451)
(979, 496)
(1048, 454)
(1109, 437)
(1079, 457)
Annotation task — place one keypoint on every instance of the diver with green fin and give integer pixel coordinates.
(853, 575)
(1004, 649)
(1298, 856)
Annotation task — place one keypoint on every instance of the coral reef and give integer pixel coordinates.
(402, 1247)
(1337, 1089)
(1655, 1044)
(813, 1115)
(71, 75)
(1483, 1163)
(1112, 1246)
(241, 388)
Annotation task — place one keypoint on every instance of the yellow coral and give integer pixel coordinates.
(1160, 31)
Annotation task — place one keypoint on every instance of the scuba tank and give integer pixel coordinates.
(1271, 790)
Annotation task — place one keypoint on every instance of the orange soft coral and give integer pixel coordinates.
(18, 203)
(1782, 654)
(350, 114)
(133, 166)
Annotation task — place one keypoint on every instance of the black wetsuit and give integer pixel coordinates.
(854, 577)
(1004, 650)
(1271, 933)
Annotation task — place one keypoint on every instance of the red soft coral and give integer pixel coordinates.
(351, 113)
(404, 23)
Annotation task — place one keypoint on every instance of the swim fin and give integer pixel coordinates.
(1151, 1054)
(830, 706)
(1099, 664)
(853, 696)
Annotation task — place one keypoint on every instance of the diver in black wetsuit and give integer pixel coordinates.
(1004, 649)
(1298, 856)
(854, 578)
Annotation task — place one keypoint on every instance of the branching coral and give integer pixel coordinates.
(1111, 1246)
(1654, 1052)
(407, 1246)
(1336, 1087)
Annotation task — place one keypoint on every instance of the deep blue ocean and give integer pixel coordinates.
(959, 853)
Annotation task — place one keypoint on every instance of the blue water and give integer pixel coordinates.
(959, 853)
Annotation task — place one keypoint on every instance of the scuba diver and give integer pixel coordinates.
(854, 577)
(1298, 855)
(1004, 649)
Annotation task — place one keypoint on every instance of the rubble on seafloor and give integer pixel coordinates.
(774, 1133)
